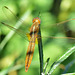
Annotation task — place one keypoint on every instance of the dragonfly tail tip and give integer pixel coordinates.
(26, 69)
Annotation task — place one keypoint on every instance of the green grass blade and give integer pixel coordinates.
(61, 59)
(68, 74)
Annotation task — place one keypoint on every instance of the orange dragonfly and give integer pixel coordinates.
(32, 36)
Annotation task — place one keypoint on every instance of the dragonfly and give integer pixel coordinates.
(32, 36)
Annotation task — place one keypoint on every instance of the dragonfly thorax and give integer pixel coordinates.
(36, 20)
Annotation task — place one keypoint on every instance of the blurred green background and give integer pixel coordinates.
(13, 47)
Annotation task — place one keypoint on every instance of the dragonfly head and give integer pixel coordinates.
(36, 20)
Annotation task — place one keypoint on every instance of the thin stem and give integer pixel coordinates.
(40, 51)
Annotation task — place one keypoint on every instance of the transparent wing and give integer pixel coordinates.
(62, 32)
(14, 23)
(18, 31)
(65, 27)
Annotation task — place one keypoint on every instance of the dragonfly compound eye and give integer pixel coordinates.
(36, 20)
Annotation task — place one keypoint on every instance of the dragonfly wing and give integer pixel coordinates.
(18, 31)
(63, 28)
(11, 19)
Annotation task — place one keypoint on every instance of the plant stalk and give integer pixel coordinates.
(40, 51)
